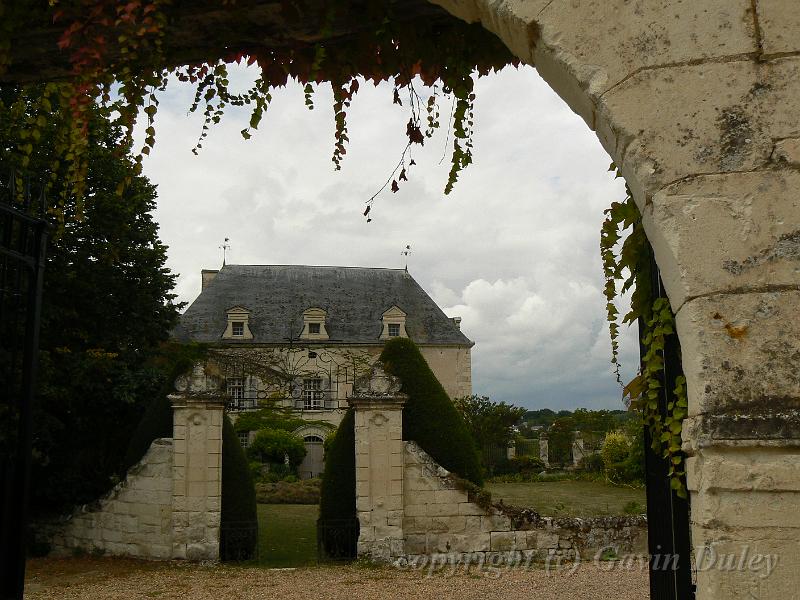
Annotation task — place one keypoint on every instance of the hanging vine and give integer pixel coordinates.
(629, 269)
(116, 50)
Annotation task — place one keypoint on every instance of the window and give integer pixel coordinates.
(238, 325)
(244, 438)
(312, 393)
(313, 439)
(394, 329)
(236, 389)
(314, 327)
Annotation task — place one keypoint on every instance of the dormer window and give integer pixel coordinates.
(314, 324)
(394, 323)
(238, 326)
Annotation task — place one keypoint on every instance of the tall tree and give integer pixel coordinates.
(106, 307)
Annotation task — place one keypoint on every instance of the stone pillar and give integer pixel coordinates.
(511, 451)
(577, 448)
(544, 449)
(379, 467)
(197, 467)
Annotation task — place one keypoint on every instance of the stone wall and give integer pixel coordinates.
(169, 504)
(441, 517)
(408, 505)
(134, 519)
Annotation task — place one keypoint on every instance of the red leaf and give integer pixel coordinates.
(403, 175)
(366, 212)
(395, 187)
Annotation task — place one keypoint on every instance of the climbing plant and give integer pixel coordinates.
(628, 267)
(117, 58)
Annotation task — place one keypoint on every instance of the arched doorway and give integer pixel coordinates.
(314, 462)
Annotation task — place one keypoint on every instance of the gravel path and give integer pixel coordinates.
(121, 579)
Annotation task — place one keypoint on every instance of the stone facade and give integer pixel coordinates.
(408, 505)
(168, 506)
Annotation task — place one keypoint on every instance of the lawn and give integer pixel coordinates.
(568, 498)
(287, 535)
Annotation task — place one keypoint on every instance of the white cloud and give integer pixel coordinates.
(514, 249)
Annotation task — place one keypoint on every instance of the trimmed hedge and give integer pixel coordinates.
(338, 491)
(239, 518)
(338, 526)
(429, 417)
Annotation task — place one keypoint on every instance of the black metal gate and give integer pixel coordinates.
(668, 532)
(23, 239)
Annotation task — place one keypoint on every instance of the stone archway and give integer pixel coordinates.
(697, 103)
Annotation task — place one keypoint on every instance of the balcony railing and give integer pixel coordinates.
(318, 400)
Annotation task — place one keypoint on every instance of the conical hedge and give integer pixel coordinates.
(338, 527)
(239, 518)
(429, 417)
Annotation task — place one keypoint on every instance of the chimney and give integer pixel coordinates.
(457, 321)
(207, 277)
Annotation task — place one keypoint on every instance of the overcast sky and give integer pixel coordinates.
(514, 250)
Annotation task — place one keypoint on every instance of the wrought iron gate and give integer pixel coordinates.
(23, 239)
(668, 532)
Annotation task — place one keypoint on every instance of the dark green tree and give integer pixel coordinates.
(107, 306)
(490, 424)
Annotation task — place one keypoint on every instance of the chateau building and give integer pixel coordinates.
(297, 338)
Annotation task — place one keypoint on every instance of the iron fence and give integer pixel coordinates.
(238, 541)
(23, 239)
(337, 539)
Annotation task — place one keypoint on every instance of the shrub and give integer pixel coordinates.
(305, 491)
(615, 450)
(527, 465)
(239, 520)
(429, 417)
(592, 463)
(337, 508)
(273, 445)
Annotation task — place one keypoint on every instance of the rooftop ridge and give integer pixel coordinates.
(319, 267)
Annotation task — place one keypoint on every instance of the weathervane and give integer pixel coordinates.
(406, 251)
(225, 247)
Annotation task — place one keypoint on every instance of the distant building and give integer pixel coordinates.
(299, 336)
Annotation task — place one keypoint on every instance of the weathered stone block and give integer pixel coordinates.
(780, 23)
(416, 544)
(727, 232)
(450, 497)
(741, 357)
(503, 540)
(469, 508)
(450, 509)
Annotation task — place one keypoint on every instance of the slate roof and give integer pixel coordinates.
(355, 299)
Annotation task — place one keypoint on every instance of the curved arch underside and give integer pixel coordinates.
(698, 103)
